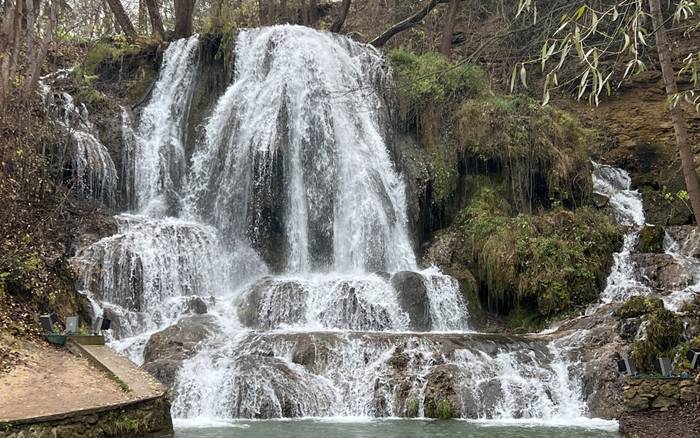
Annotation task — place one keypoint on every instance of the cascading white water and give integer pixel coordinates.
(90, 164)
(626, 279)
(159, 149)
(627, 207)
(302, 109)
(683, 252)
(293, 163)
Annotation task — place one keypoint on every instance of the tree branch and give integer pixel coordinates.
(340, 18)
(406, 24)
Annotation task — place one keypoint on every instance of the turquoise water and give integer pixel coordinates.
(392, 429)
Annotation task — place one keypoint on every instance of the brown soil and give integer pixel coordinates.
(682, 421)
(51, 380)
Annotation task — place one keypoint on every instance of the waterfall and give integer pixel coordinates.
(299, 129)
(159, 148)
(92, 170)
(286, 222)
(627, 278)
(626, 205)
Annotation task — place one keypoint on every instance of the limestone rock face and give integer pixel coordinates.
(167, 349)
(413, 298)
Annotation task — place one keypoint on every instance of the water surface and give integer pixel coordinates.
(393, 429)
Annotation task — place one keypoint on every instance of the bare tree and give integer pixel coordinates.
(122, 18)
(184, 9)
(663, 48)
(156, 18)
(37, 49)
(448, 30)
(406, 24)
(24, 42)
(340, 18)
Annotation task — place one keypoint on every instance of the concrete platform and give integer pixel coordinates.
(93, 392)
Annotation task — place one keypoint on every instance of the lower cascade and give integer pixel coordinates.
(267, 269)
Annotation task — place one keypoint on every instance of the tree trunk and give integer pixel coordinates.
(184, 9)
(340, 18)
(9, 48)
(677, 118)
(448, 30)
(405, 24)
(121, 18)
(156, 19)
(39, 51)
(143, 17)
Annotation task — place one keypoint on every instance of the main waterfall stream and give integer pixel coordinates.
(278, 229)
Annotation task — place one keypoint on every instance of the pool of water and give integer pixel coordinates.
(392, 429)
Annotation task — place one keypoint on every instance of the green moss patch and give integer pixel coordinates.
(663, 336)
(638, 306)
(547, 263)
(541, 152)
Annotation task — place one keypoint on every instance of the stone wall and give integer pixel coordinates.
(146, 418)
(659, 393)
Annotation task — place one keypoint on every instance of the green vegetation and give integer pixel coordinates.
(663, 336)
(133, 62)
(430, 78)
(663, 332)
(547, 263)
(412, 408)
(651, 240)
(108, 50)
(541, 152)
(441, 409)
(638, 306)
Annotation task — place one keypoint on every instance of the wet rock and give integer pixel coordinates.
(196, 305)
(629, 328)
(651, 240)
(266, 387)
(600, 200)
(663, 272)
(598, 345)
(167, 349)
(441, 399)
(687, 239)
(413, 299)
(288, 297)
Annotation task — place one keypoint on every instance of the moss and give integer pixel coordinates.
(541, 152)
(638, 306)
(547, 263)
(663, 335)
(432, 78)
(412, 408)
(441, 409)
(651, 240)
(108, 51)
(131, 65)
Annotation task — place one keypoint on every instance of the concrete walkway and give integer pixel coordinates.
(138, 383)
(53, 382)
